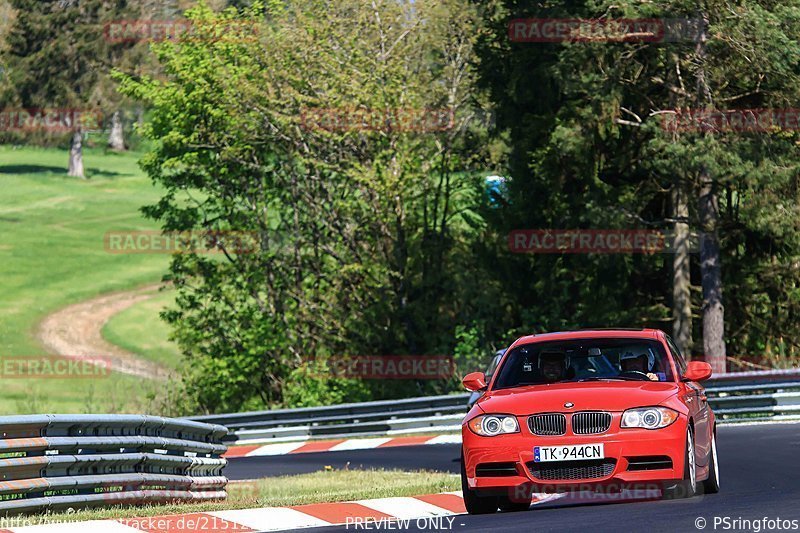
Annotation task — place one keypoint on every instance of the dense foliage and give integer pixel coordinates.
(588, 149)
(363, 232)
(380, 237)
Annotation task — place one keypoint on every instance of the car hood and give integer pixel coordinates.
(594, 395)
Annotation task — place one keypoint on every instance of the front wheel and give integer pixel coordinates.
(711, 485)
(687, 487)
(476, 504)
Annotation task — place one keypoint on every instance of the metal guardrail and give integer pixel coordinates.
(355, 419)
(739, 397)
(778, 400)
(51, 462)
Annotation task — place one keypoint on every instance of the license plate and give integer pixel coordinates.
(544, 454)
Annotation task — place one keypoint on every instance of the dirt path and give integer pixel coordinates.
(75, 331)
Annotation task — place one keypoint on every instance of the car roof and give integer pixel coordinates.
(590, 334)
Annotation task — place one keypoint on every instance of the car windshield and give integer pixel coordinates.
(584, 360)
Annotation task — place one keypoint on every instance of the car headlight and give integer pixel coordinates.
(491, 425)
(648, 418)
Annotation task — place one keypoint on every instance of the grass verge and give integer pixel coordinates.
(318, 487)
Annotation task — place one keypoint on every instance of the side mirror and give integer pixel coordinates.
(475, 381)
(697, 371)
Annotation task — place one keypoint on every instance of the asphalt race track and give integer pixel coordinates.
(441, 457)
(759, 474)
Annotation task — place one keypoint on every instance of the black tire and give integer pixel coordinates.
(687, 487)
(711, 485)
(507, 504)
(476, 504)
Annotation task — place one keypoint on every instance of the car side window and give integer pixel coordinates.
(676, 354)
(493, 365)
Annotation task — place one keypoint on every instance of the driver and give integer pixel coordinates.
(642, 362)
(553, 365)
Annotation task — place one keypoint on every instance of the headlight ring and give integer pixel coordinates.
(493, 425)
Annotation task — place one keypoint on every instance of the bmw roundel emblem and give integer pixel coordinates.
(569, 405)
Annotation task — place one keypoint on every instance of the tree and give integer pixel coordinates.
(6, 17)
(116, 139)
(59, 57)
(570, 166)
(681, 271)
(719, 66)
(587, 118)
(50, 60)
(337, 138)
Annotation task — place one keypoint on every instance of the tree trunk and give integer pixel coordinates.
(116, 139)
(711, 270)
(76, 156)
(681, 278)
(710, 267)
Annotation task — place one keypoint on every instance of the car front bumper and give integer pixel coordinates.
(627, 452)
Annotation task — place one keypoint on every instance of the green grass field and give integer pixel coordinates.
(52, 254)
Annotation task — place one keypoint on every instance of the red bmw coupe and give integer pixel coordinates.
(605, 409)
